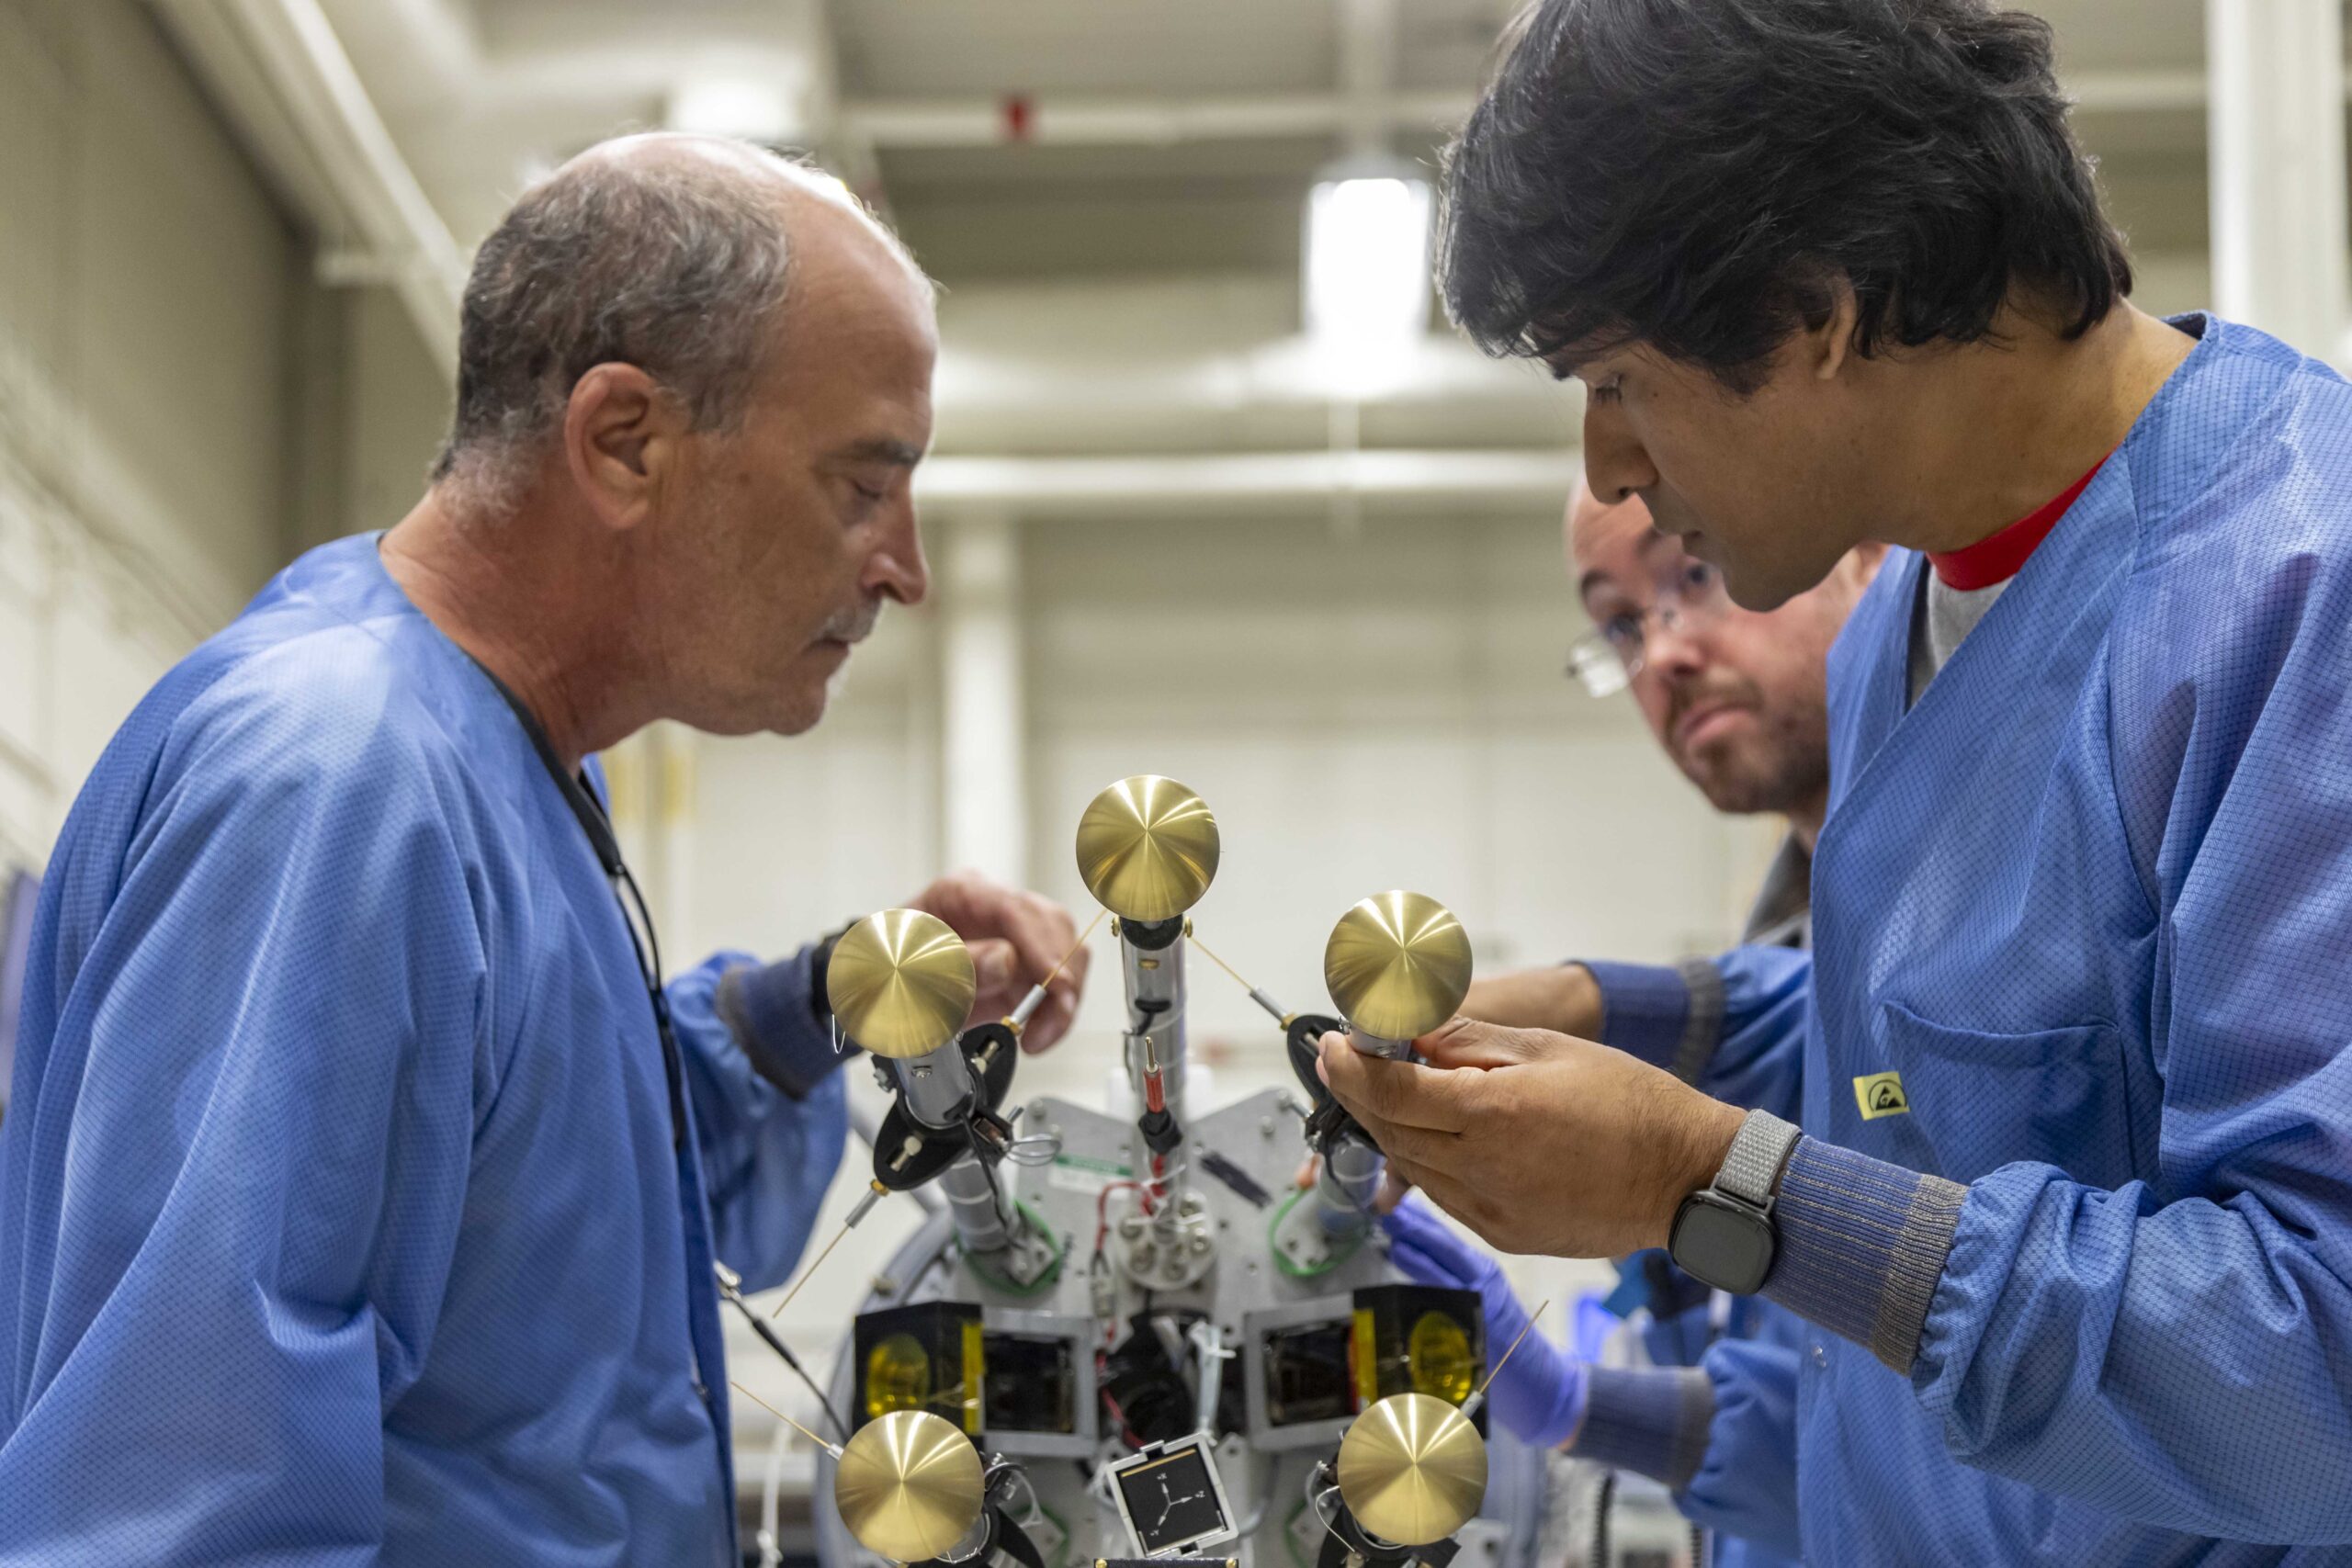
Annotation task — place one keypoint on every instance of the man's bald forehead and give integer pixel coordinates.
(721, 159)
(1593, 521)
(816, 205)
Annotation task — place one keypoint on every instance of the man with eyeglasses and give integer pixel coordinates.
(1737, 700)
(2066, 1206)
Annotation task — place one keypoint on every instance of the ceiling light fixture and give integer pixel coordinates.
(1368, 263)
(765, 109)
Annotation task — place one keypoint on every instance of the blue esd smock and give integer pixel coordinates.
(340, 1218)
(1733, 1027)
(2091, 896)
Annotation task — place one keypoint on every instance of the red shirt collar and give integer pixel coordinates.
(1999, 557)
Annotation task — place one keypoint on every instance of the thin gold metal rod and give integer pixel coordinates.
(1056, 972)
(1274, 1008)
(1019, 1017)
(847, 1225)
(1535, 1318)
(1223, 964)
(833, 1449)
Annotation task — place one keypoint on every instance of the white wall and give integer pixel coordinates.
(146, 282)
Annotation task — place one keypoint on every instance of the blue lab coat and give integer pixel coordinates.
(1755, 1060)
(2091, 897)
(340, 1217)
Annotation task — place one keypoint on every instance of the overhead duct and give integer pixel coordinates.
(282, 76)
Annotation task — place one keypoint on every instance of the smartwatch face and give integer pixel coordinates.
(1728, 1248)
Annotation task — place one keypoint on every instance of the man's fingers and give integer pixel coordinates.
(996, 968)
(1423, 1147)
(1042, 930)
(1451, 1196)
(1071, 982)
(1050, 1022)
(1382, 1094)
(1037, 929)
(1468, 1042)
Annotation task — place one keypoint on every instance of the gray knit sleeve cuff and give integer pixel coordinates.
(1671, 1017)
(1650, 1420)
(772, 1011)
(1862, 1245)
(1703, 1029)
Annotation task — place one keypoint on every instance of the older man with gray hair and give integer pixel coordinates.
(361, 1194)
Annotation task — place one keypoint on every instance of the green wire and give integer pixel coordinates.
(1339, 1253)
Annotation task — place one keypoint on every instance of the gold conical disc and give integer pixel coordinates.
(1412, 1468)
(1399, 965)
(1147, 848)
(909, 1485)
(901, 983)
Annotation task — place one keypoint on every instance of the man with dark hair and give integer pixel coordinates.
(1737, 699)
(2069, 1210)
(363, 1190)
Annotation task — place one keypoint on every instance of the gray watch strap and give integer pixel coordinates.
(1758, 1152)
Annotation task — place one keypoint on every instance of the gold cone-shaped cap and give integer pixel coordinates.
(1412, 1468)
(1399, 965)
(1147, 848)
(909, 1485)
(901, 983)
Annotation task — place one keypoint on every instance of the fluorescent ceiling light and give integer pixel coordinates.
(766, 110)
(1367, 265)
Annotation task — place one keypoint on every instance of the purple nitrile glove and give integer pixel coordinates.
(1540, 1393)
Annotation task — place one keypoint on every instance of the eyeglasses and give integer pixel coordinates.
(1605, 660)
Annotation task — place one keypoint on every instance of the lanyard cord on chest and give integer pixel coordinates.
(592, 821)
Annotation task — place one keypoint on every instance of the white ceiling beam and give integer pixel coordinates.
(1078, 120)
(2136, 92)
(1051, 487)
(1367, 36)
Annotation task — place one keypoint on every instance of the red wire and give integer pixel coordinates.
(1102, 1214)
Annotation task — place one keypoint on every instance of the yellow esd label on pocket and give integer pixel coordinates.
(1881, 1094)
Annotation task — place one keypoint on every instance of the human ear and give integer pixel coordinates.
(621, 429)
(1829, 342)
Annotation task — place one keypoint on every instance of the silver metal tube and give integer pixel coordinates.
(980, 1223)
(1350, 1179)
(1156, 981)
(1021, 1015)
(937, 1089)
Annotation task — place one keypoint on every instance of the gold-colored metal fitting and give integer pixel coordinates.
(1147, 849)
(901, 983)
(1399, 965)
(1412, 1468)
(909, 1485)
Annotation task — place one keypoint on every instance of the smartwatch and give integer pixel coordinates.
(1723, 1233)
